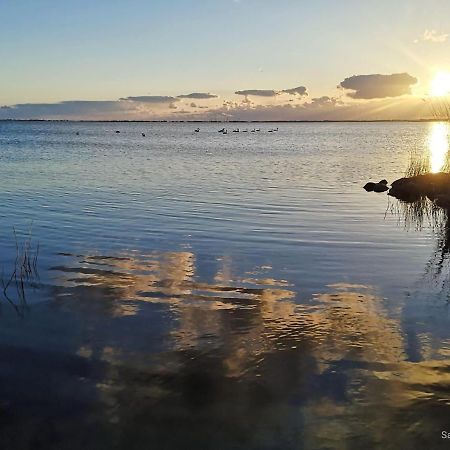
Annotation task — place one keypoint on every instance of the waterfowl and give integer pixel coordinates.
(197, 130)
(143, 134)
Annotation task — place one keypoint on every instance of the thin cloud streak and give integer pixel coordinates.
(158, 99)
(299, 91)
(198, 96)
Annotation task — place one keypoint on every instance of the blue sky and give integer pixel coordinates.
(53, 51)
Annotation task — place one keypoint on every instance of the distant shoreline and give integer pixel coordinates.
(229, 121)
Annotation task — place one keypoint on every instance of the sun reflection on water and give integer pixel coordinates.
(438, 146)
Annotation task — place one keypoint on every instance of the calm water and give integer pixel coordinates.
(209, 291)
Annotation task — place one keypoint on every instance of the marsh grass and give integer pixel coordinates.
(440, 108)
(24, 272)
(419, 161)
(420, 164)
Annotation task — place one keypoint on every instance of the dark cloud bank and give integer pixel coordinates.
(378, 86)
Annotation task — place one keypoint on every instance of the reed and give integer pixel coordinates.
(419, 164)
(440, 108)
(24, 272)
(420, 161)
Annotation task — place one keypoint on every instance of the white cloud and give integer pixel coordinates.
(434, 36)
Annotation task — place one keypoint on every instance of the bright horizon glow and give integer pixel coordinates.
(438, 145)
(78, 59)
(440, 84)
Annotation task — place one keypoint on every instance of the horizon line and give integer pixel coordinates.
(228, 121)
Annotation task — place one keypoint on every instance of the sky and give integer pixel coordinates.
(221, 59)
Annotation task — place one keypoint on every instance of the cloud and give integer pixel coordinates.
(70, 108)
(323, 108)
(279, 105)
(322, 102)
(378, 86)
(300, 90)
(434, 36)
(151, 99)
(258, 92)
(199, 95)
(87, 109)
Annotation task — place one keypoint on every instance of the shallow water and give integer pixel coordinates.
(200, 290)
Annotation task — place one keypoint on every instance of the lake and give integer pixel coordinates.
(199, 290)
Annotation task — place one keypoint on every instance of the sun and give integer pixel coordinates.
(440, 84)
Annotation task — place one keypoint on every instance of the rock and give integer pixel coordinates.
(379, 187)
(435, 186)
(383, 182)
(376, 187)
(369, 187)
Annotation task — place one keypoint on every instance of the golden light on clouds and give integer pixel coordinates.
(440, 84)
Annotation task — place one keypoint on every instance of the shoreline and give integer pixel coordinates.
(229, 121)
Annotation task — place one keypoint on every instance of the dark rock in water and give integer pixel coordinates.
(379, 187)
(369, 187)
(375, 187)
(435, 186)
(383, 182)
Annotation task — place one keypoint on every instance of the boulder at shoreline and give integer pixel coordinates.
(435, 186)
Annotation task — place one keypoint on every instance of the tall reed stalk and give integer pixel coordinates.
(24, 272)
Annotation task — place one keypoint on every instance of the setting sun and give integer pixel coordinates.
(440, 84)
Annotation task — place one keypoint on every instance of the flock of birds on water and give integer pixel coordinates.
(223, 131)
(238, 130)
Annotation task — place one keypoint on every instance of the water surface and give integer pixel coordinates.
(200, 290)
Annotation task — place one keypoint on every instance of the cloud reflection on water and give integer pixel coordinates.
(237, 361)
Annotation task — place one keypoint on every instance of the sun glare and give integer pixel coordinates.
(438, 145)
(440, 84)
